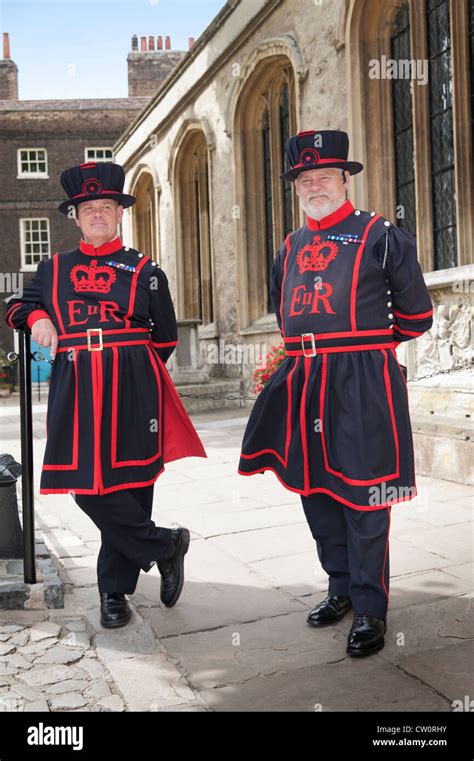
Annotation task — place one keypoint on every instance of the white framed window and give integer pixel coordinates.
(34, 242)
(32, 164)
(99, 154)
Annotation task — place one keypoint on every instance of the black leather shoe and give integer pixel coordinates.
(114, 610)
(366, 635)
(172, 569)
(330, 610)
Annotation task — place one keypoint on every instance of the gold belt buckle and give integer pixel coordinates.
(89, 346)
(313, 347)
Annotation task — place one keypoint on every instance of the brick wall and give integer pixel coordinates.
(64, 129)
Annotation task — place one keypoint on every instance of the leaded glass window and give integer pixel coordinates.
(441, 133)
(403, 126)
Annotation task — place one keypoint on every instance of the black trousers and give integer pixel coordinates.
(353, 548)
(130, 540)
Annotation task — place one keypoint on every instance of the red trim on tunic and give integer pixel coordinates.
(14, 308)
(327, 491)
(355, 272)
(54, 293)
(388, 391)
(117, 487)
(104, 332)
(332, 219)
(75, 434)
(133, 289)
(343, 334)
(180, 438)
(332, 349)
(304, 441)
(408, 404)
(339, 474)
(419, 316)
(284, 461)
(162, 345)
(112, 344)
(386, 554)
(106, 248)
(113, 433)
(408, 332)
(37, 314)
(96, 413)
(100, 378)
(288, 248)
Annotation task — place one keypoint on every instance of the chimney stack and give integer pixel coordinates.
(150, 66)
(6, 45)
(8, 73)
(191, 41)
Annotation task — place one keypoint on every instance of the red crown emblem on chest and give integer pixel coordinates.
(311, 257)
(93, 278)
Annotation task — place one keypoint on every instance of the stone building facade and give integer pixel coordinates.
(204, 155)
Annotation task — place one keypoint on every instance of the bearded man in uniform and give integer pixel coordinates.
(333, 421)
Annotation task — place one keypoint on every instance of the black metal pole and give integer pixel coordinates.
(26, 419)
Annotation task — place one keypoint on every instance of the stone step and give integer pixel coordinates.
(443, 447)
(443, 425)
(441, 411)
(444, 395)
(47, 592)
(215, 388)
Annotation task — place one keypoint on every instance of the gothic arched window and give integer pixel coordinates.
(265, 119)
(195, 278)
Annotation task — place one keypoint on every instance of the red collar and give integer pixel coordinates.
(332, 219)
(106, 248)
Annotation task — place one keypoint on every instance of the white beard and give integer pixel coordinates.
(322, 208)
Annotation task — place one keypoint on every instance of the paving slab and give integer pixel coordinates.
(300, 574)
(149, 683)
(426, 586)
(273, 542)
(367, 684)
(449, 670)
(237, 653)
(209, 524)
(126, 641)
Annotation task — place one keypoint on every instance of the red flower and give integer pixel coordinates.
(275, 357)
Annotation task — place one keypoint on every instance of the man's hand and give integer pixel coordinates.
(45, 334)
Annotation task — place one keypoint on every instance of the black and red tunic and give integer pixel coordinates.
(114, 417)
(334, 417)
